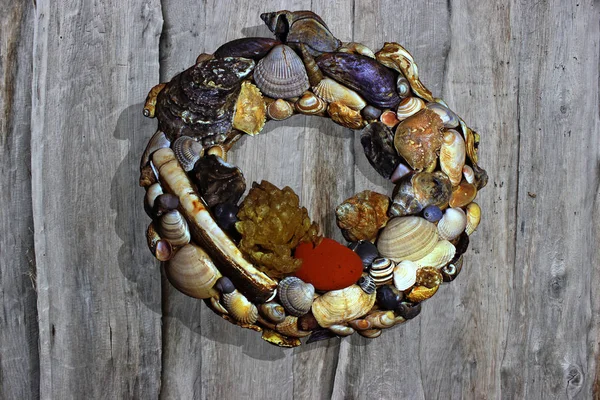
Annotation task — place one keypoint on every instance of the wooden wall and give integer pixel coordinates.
(86, 313)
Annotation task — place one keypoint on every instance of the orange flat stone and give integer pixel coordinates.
(329, 266)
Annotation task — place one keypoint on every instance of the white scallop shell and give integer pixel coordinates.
(452, 224)
(405, 274)
(442, 254)
(281, 74)
(409, 106)
(330, 91)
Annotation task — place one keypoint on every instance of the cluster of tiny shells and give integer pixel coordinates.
(410, 242)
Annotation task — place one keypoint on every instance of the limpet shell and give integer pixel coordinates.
(452, 224)
(409, 106)
(192, 272)
(442, 254)
(382, 270)
(407, 238)
(280, 110)
(295, 295)
(187, 151)
(473, 218)
(240, 308)
(452, 156)
(250, 110)
(405, 275)
(330, 91)
(388, 117)
(281, 74)
(345, 116)
(343, 305)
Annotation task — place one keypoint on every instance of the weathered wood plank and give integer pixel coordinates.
(19, 360)
(557, 216)
(98, 291)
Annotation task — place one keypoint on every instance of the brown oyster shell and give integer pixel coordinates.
(418, 139)
(218, 181)
(418, 190)
(360, 217)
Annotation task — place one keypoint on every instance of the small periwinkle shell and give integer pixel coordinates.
(416, 191)
(366, 250)
(408, 310)
(218, 181)
(388, 297)
(281, 74)
(310, 104)
(224, 285)
(274, 312)
(389, 119)
(307, 322)
(432, 213)
(370, 113)
(418, 139)
(187, 151)
(367, 284)
(165, 203)
(382, 271)
(240, 308)
(361, 216)
(409, 106)
(252, 47)
(295, 295)
(378, 143)
(403, 86)
(452, 269)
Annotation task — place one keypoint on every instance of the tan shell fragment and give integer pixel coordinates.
(418, 139)
(407, 238)
(429, 280)
(250, 110)
(339, 306)
(345, 116)
(280, 340)
(192, 272)
(452, 156)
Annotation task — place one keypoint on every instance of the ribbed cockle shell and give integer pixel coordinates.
(452, 224)
(407, 238)
(187, 151)
(289, 327)
(281, 74)
(295, 295)
(340, 306)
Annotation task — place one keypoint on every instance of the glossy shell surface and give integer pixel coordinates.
(378, 143)
(452, 224)
(250, 110)
(281, 74)
(330, 91)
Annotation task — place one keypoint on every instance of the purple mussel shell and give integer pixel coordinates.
(254, 48)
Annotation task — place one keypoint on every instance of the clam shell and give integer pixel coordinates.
(250, 110)
(394, 56)
(468, 174)
(407, 238)
(359, 73)
(381, 319)
(405, 274)
(418, 139)
(403, 86)
(330, 91)
(442, 254)
(345, 116)
(310, 104)
(272, 311)
(174, 228)
(449, 118)
(452, 156)
(409, 106)
(280, 110)
(295, 295)
(340, 306)
(452, 224)
(462, 194)
(289, 327)
(281, 74)
(187, 151)
(240, 308)
(382, 270)
(252, 47)
(473, 218)
(341, 330)
(152, 193)
(192, 272)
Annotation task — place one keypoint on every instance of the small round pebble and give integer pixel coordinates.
(432, 213)
(226, 216)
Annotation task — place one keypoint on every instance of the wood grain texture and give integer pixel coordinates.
(19, 361)
(98, 292)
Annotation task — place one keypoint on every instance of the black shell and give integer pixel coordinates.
(388, 297)
(302, 27)
(254, 48)
(218, 181)
(408, 310)
(366, 250)
(200, 101)
(374, 82)
(378, 142)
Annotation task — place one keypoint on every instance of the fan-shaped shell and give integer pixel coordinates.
(452, 156)
(192, 272)
(281, 74)
(449, 118)
(250, 110)
(296, 295)
(473, 217)
(187, 151)
(174, 228)
(310, 104)
(405, 274)
(240, 308)
(382, 270)
(345, 116)
(340, 306)
(289, 327)
(330, 91)
(409, 106)
(442, 254)
(274, 312)
(452, 224)
(407, 238)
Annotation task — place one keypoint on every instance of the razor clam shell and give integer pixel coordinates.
(407, 238)
(205, 231)
(359, 73)
(192, 272)
(281, 74)
(330, 91)
(253, 47)
(452, 224)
